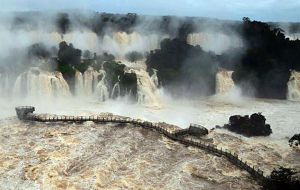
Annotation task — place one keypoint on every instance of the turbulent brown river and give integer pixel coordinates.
(96, 156)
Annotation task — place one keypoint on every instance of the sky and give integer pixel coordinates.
(264, 10)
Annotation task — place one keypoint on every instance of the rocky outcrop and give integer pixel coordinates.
(295, 140)
(255, 125)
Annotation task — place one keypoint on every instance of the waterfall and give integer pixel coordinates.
(214, 41)
(60, 85)
(293, 86)
(101, 88)
(88, 77)
(4, 84)
(120, 43)
(146, 88)
(116, 91)
(154, 78)
(224, 82)
(36, 83)
(79, 88)
(293, 36)
(90, 81)
(89, 84)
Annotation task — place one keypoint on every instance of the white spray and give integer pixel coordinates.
(293, 85)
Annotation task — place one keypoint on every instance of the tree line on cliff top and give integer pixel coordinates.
(262, 66)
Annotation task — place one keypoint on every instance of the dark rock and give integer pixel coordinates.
(218, 127)
(295, 140)
(23, 111)
(197, 130)
(253, 126)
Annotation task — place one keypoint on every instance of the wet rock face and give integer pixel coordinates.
(295, 140)
(253, 126)
(197, 130)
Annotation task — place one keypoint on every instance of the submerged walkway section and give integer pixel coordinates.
(171, 131)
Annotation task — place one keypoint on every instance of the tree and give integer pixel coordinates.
(184, 69)
(282, 178)
(134, 56)
(87, 54)
(38, 50)
(265, 64)
(63, 23)
(68, 58)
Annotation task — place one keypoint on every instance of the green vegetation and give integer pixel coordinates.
(184, 69)
(282, 178)
(134, 56)
(266, 62)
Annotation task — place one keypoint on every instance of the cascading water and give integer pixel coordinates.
(79, 88)
(90, 81)
(36, 83)
(120, 43)
(89, 85)
(60, 85)
(212, 41)
(146, 88)
(88, 77)
(294, 86)
(224, 82)
(154, 78)
(101, 88)
(116, 91)
(4, 84)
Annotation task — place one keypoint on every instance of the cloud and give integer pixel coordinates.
(266, 10)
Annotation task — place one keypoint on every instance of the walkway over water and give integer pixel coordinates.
(171, 131)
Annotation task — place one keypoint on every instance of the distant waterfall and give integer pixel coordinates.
(146, 89)
(116, 91)
(154, 78)
(120, 43)
(36, 83)
(89, 79)
(101, 88)
(91, 83)
(79, 88)
(293, 36)
(60, 85)
(216, 42)
(224, 82)
(4, 84)
(293, 85)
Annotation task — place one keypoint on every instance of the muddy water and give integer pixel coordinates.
(90, 156)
